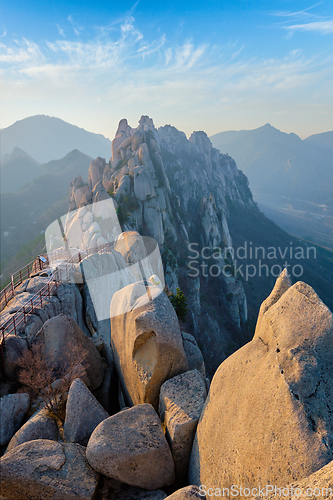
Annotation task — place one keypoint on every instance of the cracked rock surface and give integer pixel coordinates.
(44, 469)
(269, 416)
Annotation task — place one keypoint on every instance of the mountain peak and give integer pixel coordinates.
(18, 153)
(46, 138)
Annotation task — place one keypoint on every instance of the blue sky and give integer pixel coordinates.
(208, 65)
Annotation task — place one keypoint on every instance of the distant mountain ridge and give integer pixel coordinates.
(48, 138)
(27, 212)
(291, 177)
(282, 164)
(17, 169)
(325, 140)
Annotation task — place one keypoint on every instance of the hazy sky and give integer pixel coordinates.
(198, 65)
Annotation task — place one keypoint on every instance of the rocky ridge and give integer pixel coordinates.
(175, 190)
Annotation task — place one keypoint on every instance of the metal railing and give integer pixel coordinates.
(62, 273)
(20, 316)
(21, 275)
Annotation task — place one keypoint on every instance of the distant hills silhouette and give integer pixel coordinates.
(47, 138)
(282, 164)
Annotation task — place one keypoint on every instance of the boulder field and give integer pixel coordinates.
(267, 418)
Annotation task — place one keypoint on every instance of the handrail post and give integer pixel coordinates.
(14, 324)
(2, 354)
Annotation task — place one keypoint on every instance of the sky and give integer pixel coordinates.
(198, 65)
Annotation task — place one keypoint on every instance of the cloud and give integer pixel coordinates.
(307, 21)
(126, 68)
(128, 28)
(60, 30)
(324, 27)
(4, 33)
(299, 13)
(77, 30)
(21, 52)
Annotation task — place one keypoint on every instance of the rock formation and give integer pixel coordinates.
(13, 408)
(146, 341)
(47, 469)
(181, 402)
(83, 414)
(59, 336)
(40, 426)
(131, 447)
(319, 485)
(268, 417)
(174, 190)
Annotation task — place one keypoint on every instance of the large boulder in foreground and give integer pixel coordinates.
(318, 485)
(43, 469)
(130, 447)
(146, 341)
(62, 337)
(268, 418)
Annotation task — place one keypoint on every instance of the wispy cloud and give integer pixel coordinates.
(128, 67)
(305, 20)
(60, 30)
(4, 33)
(324, 27)
(77, 30)
(297, 13)
(23, 52)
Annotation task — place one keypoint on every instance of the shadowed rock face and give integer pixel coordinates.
(146, 342)
(268, 417)
(181, 402)
(39, 426)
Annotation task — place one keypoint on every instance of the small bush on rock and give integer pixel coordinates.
(179, 302)
(40, 378)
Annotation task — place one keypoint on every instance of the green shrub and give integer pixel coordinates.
(122, 215)
(179, 302)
